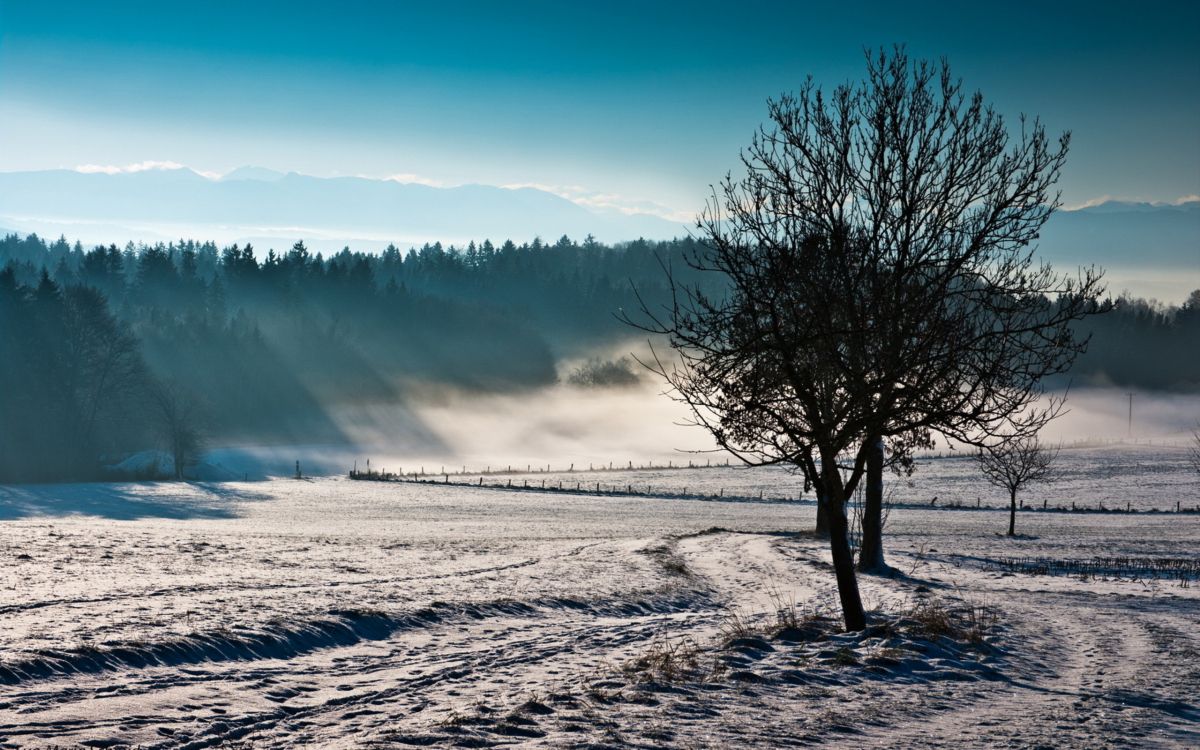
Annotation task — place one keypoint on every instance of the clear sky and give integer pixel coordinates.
(630, 104)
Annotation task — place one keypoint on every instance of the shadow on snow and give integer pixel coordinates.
(125, 501)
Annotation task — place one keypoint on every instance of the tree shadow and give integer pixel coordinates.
(126, 501)
(900, 576)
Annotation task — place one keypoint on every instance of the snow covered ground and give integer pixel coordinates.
(351, 614)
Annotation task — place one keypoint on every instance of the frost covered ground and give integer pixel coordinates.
(350, 614)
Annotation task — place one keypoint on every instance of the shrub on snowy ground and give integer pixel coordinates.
(966, 621)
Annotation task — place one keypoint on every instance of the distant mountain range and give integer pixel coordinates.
(273, 209)
(1152, 249)
(1146, 249)
(1121, 233)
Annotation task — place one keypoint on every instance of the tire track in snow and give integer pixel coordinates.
(264, 586)
(524, 645)
(1085, 678)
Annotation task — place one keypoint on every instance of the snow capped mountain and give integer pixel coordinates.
(253, 202)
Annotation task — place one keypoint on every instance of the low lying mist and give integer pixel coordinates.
(564, 425)
(1103, 414)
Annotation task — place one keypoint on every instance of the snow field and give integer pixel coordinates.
(350, 614)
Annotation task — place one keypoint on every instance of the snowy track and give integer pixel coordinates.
(1095, 670)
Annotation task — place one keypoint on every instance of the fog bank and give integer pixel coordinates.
(563, 426)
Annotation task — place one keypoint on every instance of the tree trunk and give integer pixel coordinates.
(870, 553)
(1012, 513)
(839, 545)
(822, 529)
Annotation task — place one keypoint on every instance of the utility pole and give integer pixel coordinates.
(1130, 415)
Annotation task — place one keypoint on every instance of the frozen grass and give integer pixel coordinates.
(1183, 569)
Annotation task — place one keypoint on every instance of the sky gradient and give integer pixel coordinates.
(612, 104)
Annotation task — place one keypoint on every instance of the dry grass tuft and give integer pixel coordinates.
(793, 618)
(669, 559)
(666, 662)
(738, 624)
(962, 621)
(933, 618)
(784, 619)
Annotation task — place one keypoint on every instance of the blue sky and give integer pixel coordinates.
(621, 104)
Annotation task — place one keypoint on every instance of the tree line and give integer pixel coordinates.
(99, 347)
(268, 345)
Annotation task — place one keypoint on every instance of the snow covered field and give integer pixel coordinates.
(353, 614)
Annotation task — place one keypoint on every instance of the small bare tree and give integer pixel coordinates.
(1194, 449)
(1015, 463)
(178, 417)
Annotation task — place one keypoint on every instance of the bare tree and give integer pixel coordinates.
(1016, 463)
(1194, 449)
(178, 417)
(881, 285)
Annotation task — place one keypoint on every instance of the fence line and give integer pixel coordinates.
(510, 469)
(670, 465)
(630, 489)
(579, 487)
